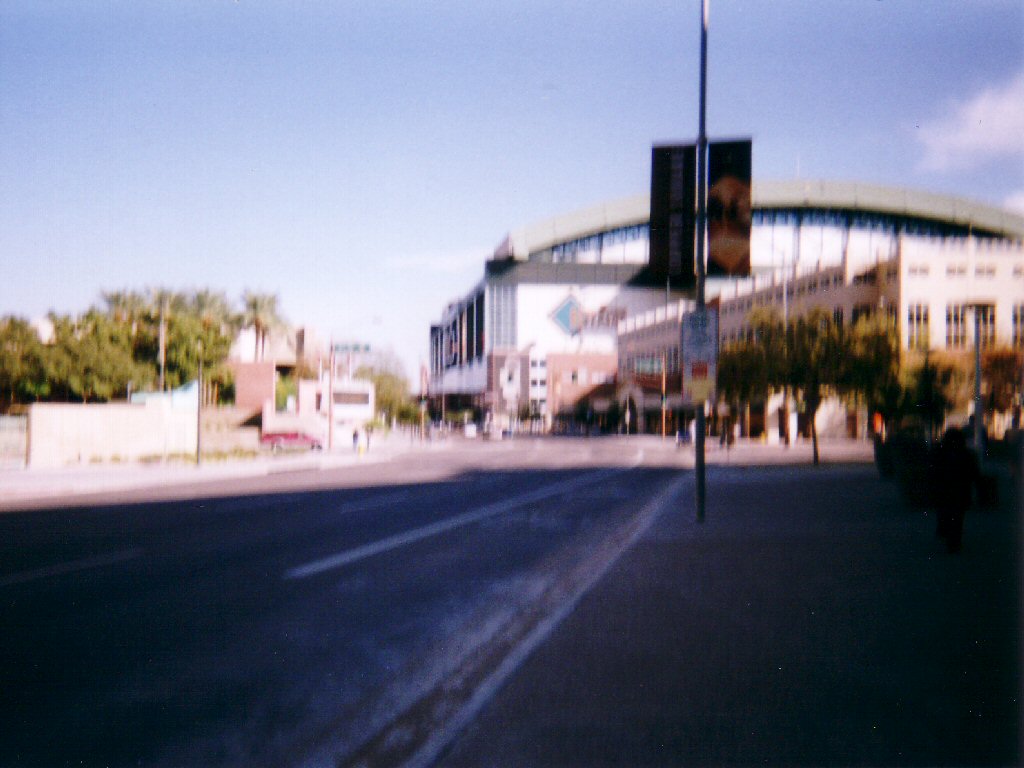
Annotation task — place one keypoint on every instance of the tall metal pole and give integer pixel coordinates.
(664, 390)
(330, 401)
(199, 409)
(702, 151)
(978, 412)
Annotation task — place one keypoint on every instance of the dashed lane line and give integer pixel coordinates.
(74, 566)
(405, 538)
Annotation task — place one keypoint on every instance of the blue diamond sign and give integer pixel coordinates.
(568, 315)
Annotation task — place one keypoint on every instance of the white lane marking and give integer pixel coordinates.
(62, 569)
(441, 737)
(418, 534)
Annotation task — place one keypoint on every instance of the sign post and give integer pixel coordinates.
(702, 203)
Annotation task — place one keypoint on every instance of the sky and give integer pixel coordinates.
(361, 160)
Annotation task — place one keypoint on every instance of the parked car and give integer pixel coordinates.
(290, 441)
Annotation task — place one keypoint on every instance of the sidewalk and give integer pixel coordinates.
(813, 619)
(19, 485)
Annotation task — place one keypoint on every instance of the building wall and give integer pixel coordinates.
(938, 274)
(572, 377)
(254, 384)
(69, 433)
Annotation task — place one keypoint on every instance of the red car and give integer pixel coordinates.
(285, 441)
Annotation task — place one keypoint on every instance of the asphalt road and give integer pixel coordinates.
(535, 603)
(303, 618)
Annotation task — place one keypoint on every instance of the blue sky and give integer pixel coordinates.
(361, 160)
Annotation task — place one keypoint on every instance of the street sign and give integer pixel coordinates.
(699, 344)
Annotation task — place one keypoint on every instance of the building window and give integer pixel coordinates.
(918, 333)
(956, 326)
(1018, 326)
(956, 270)
(859, 311)
(986, 317)
(503, 316)
(837, 317)
(985, 270)
(918, 270)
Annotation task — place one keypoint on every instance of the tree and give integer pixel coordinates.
(873, 365)
(1003, 371)
(188, 338)
(91, 358)
(928, 393)
(261, 314)
(213, 310)
(22, 363)
(815, 354)
(391, 390)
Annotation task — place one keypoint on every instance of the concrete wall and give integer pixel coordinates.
(70, 433)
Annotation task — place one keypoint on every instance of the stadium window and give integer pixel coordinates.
(859, 311)
(986, 316)
(956, 326)
(918, 333)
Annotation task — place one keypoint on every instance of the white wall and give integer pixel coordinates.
(71, 433)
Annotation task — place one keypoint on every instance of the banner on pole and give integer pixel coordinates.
(673, 202)
(729, 208)
(699, 344)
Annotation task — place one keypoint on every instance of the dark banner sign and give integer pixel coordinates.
(673, 202)
(729, 208)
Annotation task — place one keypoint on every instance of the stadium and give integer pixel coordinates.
(568, 313)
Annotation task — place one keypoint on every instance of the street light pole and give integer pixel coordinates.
(702, 151)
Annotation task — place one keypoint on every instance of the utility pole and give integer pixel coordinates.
(199, 408)
(979, 416)
(702, 193)
(330, 402)
(163, 340)
(664, 389)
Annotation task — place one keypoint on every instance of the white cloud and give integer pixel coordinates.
(985, 127)
(1015, 202)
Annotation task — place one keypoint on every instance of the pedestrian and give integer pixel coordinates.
(355, 439)
(954, 472)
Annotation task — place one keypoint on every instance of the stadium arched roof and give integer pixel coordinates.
(813, 199)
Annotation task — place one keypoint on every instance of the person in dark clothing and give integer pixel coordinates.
(954, 471)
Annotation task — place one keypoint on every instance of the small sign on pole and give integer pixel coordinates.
(699, 355)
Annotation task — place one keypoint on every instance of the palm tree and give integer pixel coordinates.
(260, 313)
(161, 302)
(214, 310)
(126, 307)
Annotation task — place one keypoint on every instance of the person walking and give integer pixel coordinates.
(954, 472)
